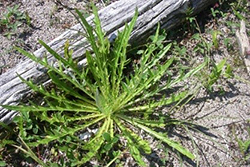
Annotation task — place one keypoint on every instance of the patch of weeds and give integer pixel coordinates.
(228, 43)
(181, 53)
(102, 97)
(190, 23)
(180, 50)
(53, 19)
(240, 8)
(164, 158)
(161, 39)
(13, 19)
(216, 12)
(243, 145)
(58, 6)
(6, 134)
(210, 75)
(203, 46)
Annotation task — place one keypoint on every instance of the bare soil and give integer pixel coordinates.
(48, 21)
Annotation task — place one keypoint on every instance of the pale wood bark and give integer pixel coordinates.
(244, 45)
(169, 13)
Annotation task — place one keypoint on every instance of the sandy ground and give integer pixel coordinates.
(222, 116)
(48, 21)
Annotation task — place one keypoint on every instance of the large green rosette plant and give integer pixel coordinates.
(102, 96)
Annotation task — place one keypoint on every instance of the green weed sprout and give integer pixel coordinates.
(12, 20)
(102, 96)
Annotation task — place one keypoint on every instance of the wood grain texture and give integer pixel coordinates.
(169, 13)
(244, 44)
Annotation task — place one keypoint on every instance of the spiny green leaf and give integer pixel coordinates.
(65, 131)
(23, 108)
(175, 145)
(61, 59)
(159, 56)
(64, 86)
(137, 140)
(134, 143)
(81, 106)
(134, 151)
(89, 30)
(98, 29)
(153, 78)
(90, 144)
(120, 48)
(151, 123)
(31, 56)
(94, 145)
(98, 143)
(173, 98)
(84, 117)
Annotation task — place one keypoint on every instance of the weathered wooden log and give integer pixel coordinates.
(244, 44)
(168, 13)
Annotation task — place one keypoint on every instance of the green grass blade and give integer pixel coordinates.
(217, 69)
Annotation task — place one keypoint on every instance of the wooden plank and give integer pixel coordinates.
(169, 13)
